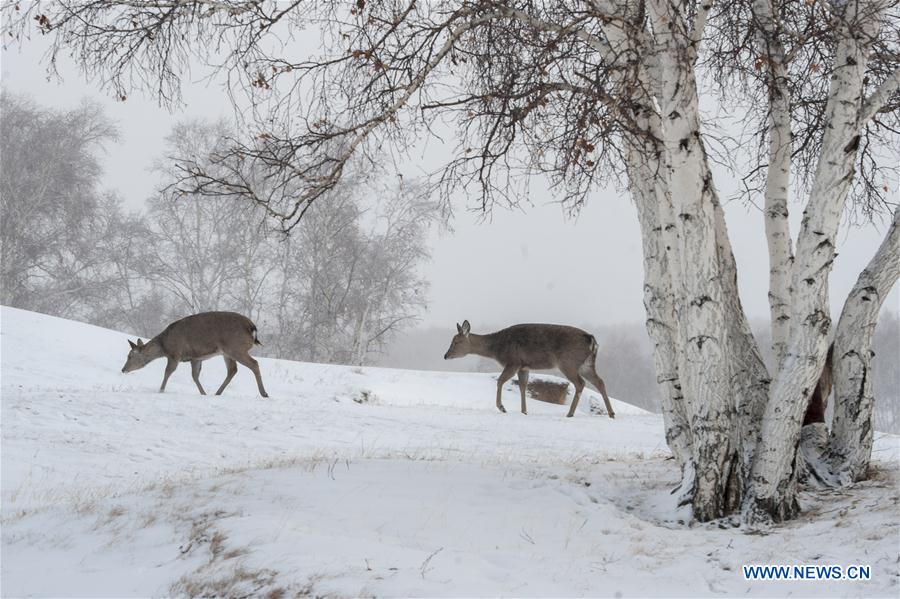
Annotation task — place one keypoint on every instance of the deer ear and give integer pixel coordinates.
(140, 344)
(458, 328)
(465, 328)
(131, 343)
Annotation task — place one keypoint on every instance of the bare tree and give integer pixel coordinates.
(392, 291)
(322, 264)
(579, 92)
(350, 277)
(206, 253)
(131, 302)
(55, 218)
(333, 292)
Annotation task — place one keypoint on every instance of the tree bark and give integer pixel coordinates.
(748, 374)
(659, 304)
(778, 233)
(659, 238)
(703, 367)
(772, 491)
(359, 350)
(850, 443)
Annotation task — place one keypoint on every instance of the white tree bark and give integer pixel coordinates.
(659, 304)
(658, 235)
(850, 444)
(778, 233)
(359, 347)
(772, 492)
(704, 368)
(749, 376)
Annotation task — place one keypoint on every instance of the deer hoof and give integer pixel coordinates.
(569, 415)
(612, 416)
(502, 409)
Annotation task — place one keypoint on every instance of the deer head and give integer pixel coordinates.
(461, 345)
(138, 357)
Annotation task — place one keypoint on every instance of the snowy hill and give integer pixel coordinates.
(361, 481)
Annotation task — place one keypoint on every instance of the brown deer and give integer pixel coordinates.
(197, 338)
(525, 347)
(818, 402)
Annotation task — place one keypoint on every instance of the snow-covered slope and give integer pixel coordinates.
(63, 390)
(356, 481)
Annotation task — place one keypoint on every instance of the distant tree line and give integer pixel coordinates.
(335, 290)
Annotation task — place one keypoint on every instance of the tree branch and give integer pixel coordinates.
(879, 98)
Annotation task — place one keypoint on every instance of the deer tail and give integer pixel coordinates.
(256, 340)
(593, 343)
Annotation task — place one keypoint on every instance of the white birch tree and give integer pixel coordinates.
(852, 429)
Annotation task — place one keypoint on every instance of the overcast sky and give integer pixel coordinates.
(532, 265)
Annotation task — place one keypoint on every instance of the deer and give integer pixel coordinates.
(197, 338)
(818, 401)
(524, 347)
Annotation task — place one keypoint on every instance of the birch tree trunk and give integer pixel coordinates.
(651, 199)
(748, 374)
(850, 443)
(778, 233)
(360, 346)
(772, 491)
(703, 367)
(659, 304)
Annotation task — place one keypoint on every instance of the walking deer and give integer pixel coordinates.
(197, 338)
(525, 347)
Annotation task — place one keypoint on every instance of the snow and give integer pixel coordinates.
(366, 481)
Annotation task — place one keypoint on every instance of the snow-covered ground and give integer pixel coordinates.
(366, 481)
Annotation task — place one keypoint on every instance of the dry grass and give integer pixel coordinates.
(115, 512)
(85, 506)
(365, 397)
(878, 473)
(233, 553)
(111, 517)
(236, 582)
(217, 544)
(149, 520)
(223, 575)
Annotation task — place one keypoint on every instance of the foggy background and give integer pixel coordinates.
(532, 265)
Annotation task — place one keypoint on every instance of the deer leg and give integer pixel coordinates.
(523, 385)
(171, 365)
(501, 380)
(576, 380)
(196, 365)
(231, 365)
(591, 375)
(253, 365)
